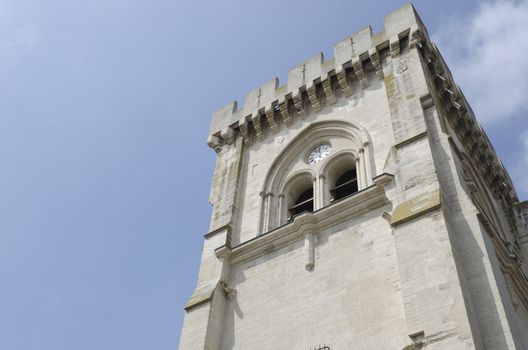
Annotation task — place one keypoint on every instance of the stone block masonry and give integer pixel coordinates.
(427, 249)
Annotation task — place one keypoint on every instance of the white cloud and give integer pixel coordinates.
(488, 52)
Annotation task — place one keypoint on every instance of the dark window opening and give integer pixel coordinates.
(345, 185)
(303, 203)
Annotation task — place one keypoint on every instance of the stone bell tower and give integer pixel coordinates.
(361, 206)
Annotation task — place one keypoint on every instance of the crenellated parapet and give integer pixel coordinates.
(315, 83)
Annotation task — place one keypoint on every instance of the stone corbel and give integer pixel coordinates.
(228, 135)
(257, 124)
(244, 132)
(395, 46)
(215, 143)
(375, 59)
(456, 100)
(442, 80)
(311, 88)
(343, 81)
(329, 91)
(299, 104)
(309, 229)
(285, 113)
(360, 73)
(229, 291)
(415, 38)
(270, 111)
(309, 249)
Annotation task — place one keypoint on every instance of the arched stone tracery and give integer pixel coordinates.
(291, 173)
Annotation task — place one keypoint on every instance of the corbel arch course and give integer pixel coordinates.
(480, 196)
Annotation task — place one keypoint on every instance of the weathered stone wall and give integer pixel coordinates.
(498, 322)
(351, 299)
(423, 257)
(366, 108)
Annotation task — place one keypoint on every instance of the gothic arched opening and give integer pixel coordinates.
(294, 185)
(303, 203)
(345, 185)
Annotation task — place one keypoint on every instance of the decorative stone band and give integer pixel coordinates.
(316, 82)
(307, 224)
(415, 207)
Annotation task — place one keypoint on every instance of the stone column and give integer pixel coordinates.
(367, 162)
(323, 192)
(360, 164)
(267, 207)
(280, 209)
(318, 193)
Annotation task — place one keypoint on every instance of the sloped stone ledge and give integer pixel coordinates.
(348, 208)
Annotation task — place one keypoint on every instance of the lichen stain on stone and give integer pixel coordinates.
(389, 84)
(391, 89)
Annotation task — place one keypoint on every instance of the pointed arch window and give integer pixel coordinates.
(295, 184)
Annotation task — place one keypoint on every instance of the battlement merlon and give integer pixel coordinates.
(354, 51)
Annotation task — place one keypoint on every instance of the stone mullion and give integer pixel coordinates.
(317, 191)
(358, 174)
(321, 195)
(376, 62)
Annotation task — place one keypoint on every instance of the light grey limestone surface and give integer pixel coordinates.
(351, 275)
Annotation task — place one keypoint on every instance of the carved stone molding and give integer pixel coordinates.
(368, 199)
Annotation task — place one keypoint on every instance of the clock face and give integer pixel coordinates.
(319, 153)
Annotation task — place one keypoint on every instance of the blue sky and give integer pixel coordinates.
(104, 113)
